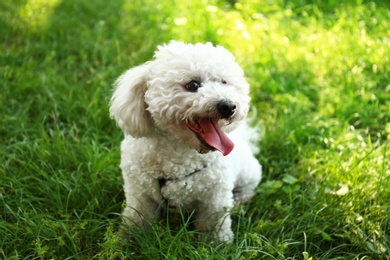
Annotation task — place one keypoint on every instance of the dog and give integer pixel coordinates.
(186, 136)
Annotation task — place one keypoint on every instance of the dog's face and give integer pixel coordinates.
(194, 93)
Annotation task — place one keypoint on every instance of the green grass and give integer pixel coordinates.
(319, 73)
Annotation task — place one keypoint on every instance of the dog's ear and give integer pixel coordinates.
(128, 105)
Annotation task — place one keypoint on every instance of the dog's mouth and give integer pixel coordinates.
(211, 135)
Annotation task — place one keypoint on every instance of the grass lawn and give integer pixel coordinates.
(320, 80)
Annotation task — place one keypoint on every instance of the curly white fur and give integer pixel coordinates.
(166, 136)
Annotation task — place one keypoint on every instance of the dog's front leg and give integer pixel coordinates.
(141, 202)
(214, 217)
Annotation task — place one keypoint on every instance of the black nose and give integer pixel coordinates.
(226, 108)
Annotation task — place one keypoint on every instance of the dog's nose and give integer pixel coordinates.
(226, 108)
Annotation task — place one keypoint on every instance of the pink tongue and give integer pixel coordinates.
(214, 136)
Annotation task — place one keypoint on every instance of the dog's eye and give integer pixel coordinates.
(224, 81)
(192, 86)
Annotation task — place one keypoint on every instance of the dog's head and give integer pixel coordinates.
(195, 93)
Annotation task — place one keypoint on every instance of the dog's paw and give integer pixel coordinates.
(225, 236)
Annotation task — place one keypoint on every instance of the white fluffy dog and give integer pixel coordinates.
(182, 114)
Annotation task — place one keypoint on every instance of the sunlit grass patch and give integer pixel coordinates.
(36, 13)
